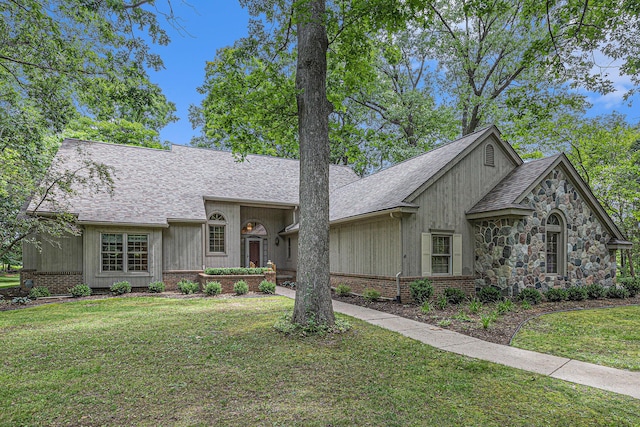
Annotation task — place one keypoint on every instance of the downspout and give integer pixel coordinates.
(398, 287)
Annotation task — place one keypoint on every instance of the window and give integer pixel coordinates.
(489, 155)
(441, 254)
(217, 228)
(114, 252)
(555, 245)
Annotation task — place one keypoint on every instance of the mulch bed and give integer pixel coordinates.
(501, 331)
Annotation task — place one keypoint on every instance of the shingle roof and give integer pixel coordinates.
(151, 186)
(504, 195)
(391, 187)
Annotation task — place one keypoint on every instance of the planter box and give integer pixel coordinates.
(227, 281)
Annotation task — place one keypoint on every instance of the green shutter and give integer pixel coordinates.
(456, 268)
(426, 254)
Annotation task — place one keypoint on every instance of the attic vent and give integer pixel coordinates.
(489, 158)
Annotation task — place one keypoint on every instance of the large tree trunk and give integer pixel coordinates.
(313, 294)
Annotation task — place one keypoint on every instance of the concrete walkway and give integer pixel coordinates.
(616, 380)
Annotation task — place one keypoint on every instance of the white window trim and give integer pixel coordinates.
(455, 264)
(216, 223)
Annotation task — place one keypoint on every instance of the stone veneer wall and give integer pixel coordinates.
(58, 283)
(388, 288)
(510, 253)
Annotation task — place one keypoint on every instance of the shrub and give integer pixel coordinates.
(442, 302)
(426, 307)
(156, 287)
(504, 306)
(371, 294)
(475, 305)
(556, 295)
(188, 287)
(240, 287)
(530, 295)
(80, 291)
(489, 294)
(617, 292)
(213, 288)
(577, 293)
(39, 292)
(21, 300)
(526, 305)
(119, 288)
(631, 285)
(288, 284)
(343, 290)
(421, 290)
(595, 291)
(267, 287)
(234, 271)
(488, 319)
(454, 295)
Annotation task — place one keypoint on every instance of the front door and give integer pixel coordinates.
(254, 252)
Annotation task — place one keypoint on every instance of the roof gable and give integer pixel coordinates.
(398, 185)
(511, 191)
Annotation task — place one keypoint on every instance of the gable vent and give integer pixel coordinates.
(489, 158)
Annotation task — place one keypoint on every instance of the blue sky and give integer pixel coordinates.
(213, 24)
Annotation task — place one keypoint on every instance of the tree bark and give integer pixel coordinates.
(313, 294)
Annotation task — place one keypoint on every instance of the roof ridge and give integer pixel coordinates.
(88, 141)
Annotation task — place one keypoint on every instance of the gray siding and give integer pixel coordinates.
(231, 258)
(94, 277)
(444, 203)
(372, 247)
(65, 254)
(182, 247)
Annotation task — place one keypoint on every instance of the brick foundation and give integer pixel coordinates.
(387, 286)
(58, 283)
(171, 278)
(227, 282)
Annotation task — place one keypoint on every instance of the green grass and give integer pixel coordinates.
(609, 336)
(9, 280)
(218, 361)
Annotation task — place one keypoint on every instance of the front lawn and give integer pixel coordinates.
(9, 280)
(608, 336)
(218, 361)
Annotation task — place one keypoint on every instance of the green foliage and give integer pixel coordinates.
(371, 294)
(285, 325)
(39, 292)
(188, 287)
(475, 305)
(632, 285)
(577, 293)
(156, 287)
(526, 305)
(267, 287)
(288, 284)
(240, 287)
(234, 271)
(21, 300)
(343, 290)
(425, 307)
(444, 323)
(617, 292)
(487, 319)
(595, 291)
(556, 295)
(119, 288)
(81, 290)
(530, 295)
(454, 295)
(504, 307)
(489, 294)
(463, 317)
(421, 290)
(213, 288)
(442, 302)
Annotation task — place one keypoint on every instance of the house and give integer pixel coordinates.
(467, 214)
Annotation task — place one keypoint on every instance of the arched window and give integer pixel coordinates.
(489, 155)
(217, 230)
(555, 245)
(254, 229)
